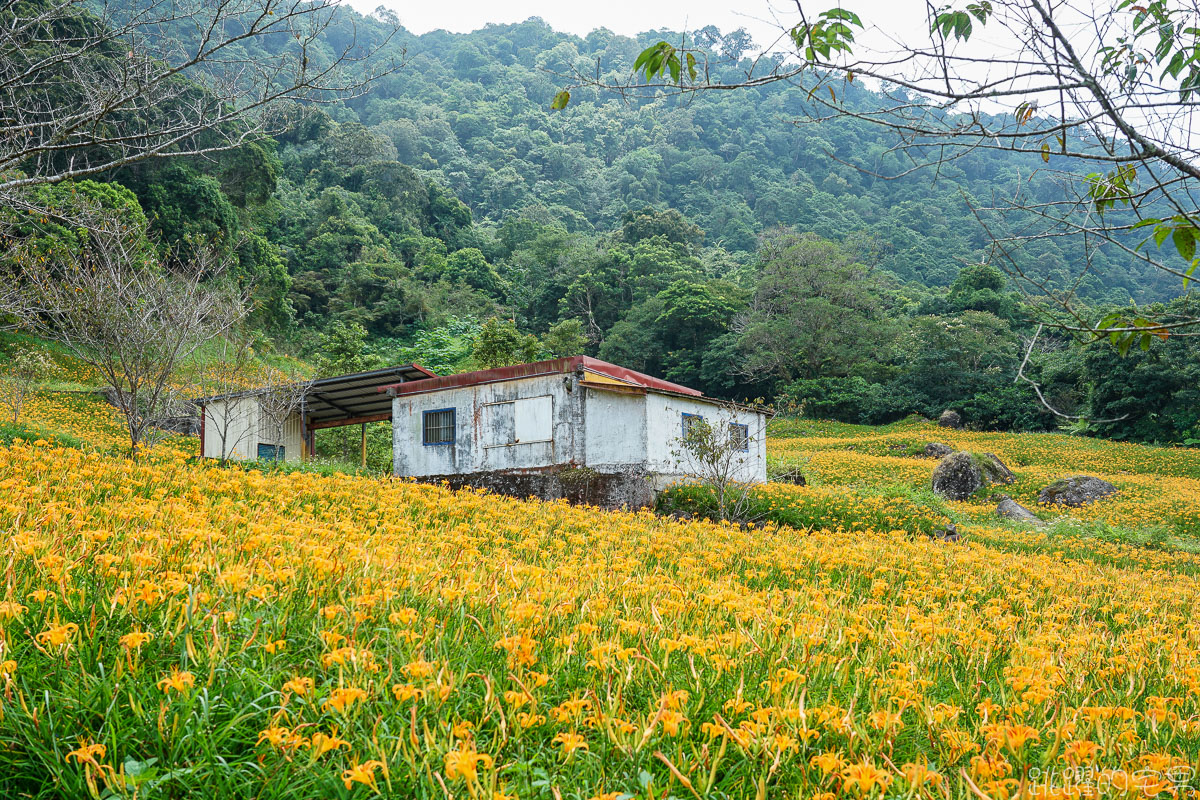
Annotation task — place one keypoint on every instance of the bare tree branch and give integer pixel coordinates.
(85, 88)
(115, 308)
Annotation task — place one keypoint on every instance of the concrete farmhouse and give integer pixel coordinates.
(570, 427)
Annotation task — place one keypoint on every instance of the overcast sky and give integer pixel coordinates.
(762, 18)
(888, 23)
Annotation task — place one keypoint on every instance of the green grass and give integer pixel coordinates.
(30, 433)
(881, 508)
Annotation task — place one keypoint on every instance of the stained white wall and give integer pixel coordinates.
(547, 421)
(664, 427)
(615, 429)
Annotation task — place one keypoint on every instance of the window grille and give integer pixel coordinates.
(438, 427)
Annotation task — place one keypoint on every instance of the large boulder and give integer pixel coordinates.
(1077, 491)
(950, 419)
(938, 450)
(1011, 509)
(994, 469)
(957, 477)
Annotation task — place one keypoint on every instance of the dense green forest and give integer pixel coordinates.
(714, 240)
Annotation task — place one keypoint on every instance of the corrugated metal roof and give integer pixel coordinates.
(551, 367)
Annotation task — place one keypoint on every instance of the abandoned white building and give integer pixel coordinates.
(570, 427)
(576, 427)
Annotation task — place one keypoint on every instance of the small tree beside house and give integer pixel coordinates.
(715, 453)
(281, 397)
(225, 369)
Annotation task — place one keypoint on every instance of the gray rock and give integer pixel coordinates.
(938, 450)
(113, 396)
(1011, 509)
(994, 469)
(1077, 491)
(950, 419)
(186, 425)
(957, 477)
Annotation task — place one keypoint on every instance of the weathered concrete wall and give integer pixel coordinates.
(631, 488)
(614, 429)
(545, 423)
(515, 424)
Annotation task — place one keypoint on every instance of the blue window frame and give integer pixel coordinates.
(688, 420)
(739, 436)
(271, 452)
(437, 427)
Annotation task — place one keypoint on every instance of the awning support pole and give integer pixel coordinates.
(303, 431)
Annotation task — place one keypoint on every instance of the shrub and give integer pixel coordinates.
(816, 507)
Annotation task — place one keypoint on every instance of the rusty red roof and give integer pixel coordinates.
(553, 366)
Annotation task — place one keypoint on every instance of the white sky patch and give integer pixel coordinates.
(763, 19)
(890, 26)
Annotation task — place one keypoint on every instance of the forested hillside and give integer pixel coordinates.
(473, 110)
(714, 239)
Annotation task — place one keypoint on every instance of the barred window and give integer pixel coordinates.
(739, 436)
(690, 421)
(438, 427)
(271, 452)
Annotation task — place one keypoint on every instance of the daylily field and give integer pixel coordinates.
(174, 629)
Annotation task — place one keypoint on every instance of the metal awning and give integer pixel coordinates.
(347, 399)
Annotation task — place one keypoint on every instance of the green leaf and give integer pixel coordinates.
(560, 100)
(654, 60)
(691, 66)
(1185, 242)
(1046, 152)
(980, 10)
(844, 15)
(1173, 69)
(1164, 48)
